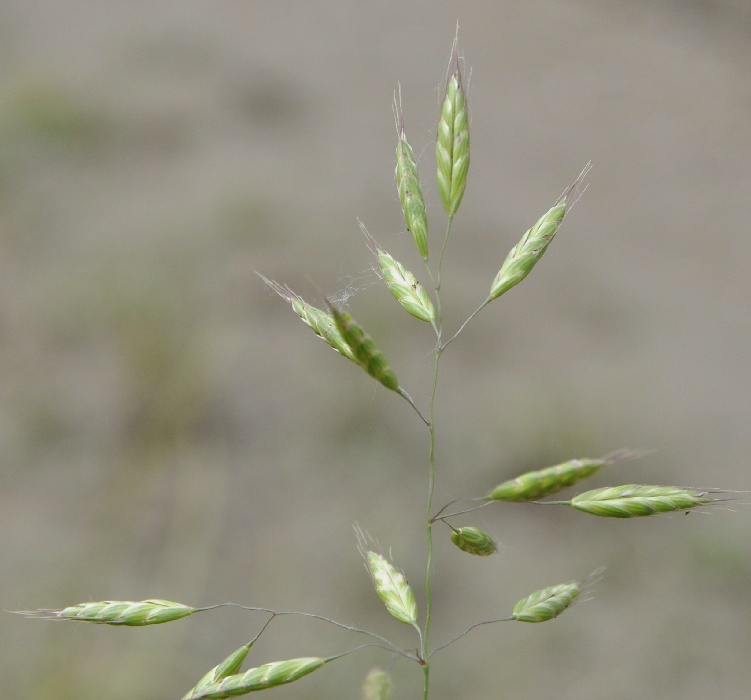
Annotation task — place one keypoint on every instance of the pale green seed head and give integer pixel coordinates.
(130, 613)
(474, 541)
(377, 685)
(633, 500)
(229, 667)
(546, 604)
(392, 588)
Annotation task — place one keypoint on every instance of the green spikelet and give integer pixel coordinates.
(122, 612)
(633, 500)
(321, 323)
(547, 603)
(229, 667)
(536, 484)
(366, 354)
(408, 184)
(475, 541)
(452, 143)
(402, 283)
(377, 685)
(261, 678)
(533, 244)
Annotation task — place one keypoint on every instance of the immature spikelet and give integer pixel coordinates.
(366, 354)
(321, 323)
(261, 678)
(475, 541)
(535, 484)
(452, 143)
(377, 685)
(546, 604)
(633, 501)
(122, 612)
(229, 667)
(402, 283)
(533, 244)
(408, 184)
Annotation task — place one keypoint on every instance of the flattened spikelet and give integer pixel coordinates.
(230, 666)
(533, 244)
(475, 541)
(408, 184)
(261, 678)
(321, 323)
(547, 603)
(122, 612)
(402, 283)
(452, 143)
(633, 500)
(366, 354)
(543, 482)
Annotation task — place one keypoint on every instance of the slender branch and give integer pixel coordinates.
(409, 400)
(438, 515)
(474, 313)
(468, 630)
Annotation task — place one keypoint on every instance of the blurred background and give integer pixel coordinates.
(170, 428)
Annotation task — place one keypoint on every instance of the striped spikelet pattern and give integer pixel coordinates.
(261, 678)
(533, 244)
(122, 612)
(543, 482)
(408, 184)
(321, 323)
(633, 501)
(377, 685)
(366, 354)
(452, 143)
(475, 541)
(547, 603)
(402, 283)
(392, 588)
(229, 667)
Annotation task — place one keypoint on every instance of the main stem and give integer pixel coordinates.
(431, 479)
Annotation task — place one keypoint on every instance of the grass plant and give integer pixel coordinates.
(340, 331)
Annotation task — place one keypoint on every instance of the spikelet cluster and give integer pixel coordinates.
(408, 185)
(533, 244)
(121, 612)
(261, 678)
(402, 283)
(452, 143)
(533, 485)
(474, 541)
(633, 500)
(229, 667)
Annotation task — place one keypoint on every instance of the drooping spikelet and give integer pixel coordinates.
(366, 354)
(261, 678)
(452, 143)
(122, 612)
(475, 541)
(633, 500)
(321, 323)
(402, 283)
(533, 244)
(377, 685)
(229, 667)
(408, 185)
(543, 482)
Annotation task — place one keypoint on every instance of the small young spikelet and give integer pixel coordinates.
(366, 354)
(261, 678)
(547, 603)
(475, 541)
(377, 685)
(533, 244)
(452, 143)
(408, 184)
(543, 482)
(321, 323)
(229, 667)
(633, 500)
(122, 612)
(402, 283)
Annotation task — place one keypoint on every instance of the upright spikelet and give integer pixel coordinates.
(533, 244)
(261, 678)
(408, 184)
(402, 283)
(543, 482)
(452, 143)
(229, 667)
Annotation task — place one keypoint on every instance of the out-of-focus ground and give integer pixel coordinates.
(170, 429)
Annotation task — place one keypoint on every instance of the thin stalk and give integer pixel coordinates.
(474, 313)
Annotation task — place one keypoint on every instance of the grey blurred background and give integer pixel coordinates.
(170, 429)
